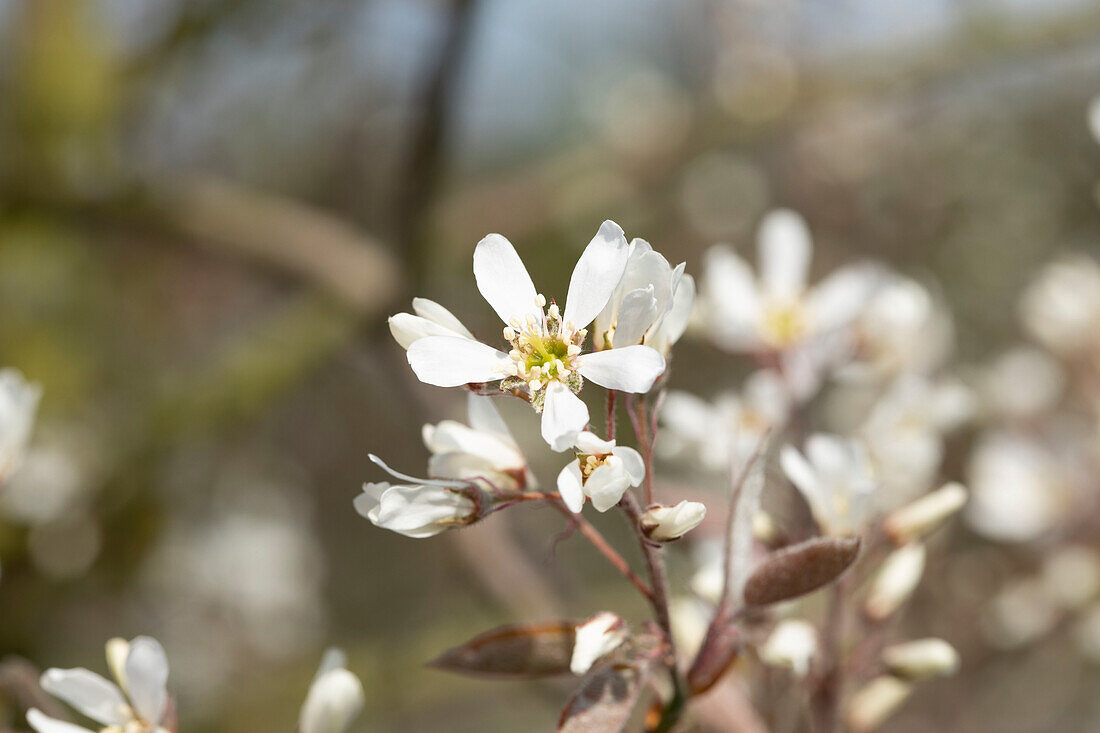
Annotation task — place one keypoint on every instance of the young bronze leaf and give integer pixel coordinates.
(798, 570)
(604, 702)
(519, 650)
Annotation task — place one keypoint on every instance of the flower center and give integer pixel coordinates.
(590, 462)
(784, 323)
(544, 349)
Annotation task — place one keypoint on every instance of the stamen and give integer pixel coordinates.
(540, 300)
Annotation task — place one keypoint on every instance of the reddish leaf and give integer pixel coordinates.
(520, 650)
(604, 702)
(798, 570)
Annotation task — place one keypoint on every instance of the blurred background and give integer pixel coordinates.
(209, 207)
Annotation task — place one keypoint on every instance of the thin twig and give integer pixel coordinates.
(604, 547)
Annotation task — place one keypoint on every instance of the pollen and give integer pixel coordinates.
(543, 348)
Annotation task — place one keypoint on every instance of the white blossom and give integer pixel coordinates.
(545, 355)
(897, 578)
(913, 521)
(792, 644)
(921, 659)
(483, 449)
(602, 471)
(139, 703)
(335, 697)
(872, 704)
(420, 508)
(596, 638)
(430, 319)
(835, 478)
(1061, 308)
(667, 523)
(18, 407)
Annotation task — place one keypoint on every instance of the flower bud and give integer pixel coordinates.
(915, 520)
(665, 524)
(875, 702)
(921, 659)
(792, 644)
(335, 698)
(896, 580)
(596, 637)
(413, 510)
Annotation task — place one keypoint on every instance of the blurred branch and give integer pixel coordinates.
(19, 683)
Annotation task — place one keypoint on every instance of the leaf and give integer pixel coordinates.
(604, 702)
(798, 570)
(720, 650)
(518, 650)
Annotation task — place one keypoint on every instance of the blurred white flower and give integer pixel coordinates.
(921, 659)
(1061, 307)
(18, 407)
(872, 704)
(1019, 488)
(835, 478)
(897, 578)
(1019, 614)
(418, 509)
(595, 638)
(1093, 117)
(725, 432)
(792, 644)
(690, 619)
(139, 703)
(1071, 576)
(483, 449)
(1086, 634)
(602, 471)
(667, 523)
(651, 304)
(777, 311)
(913, 521)
(335, 697)
(1024, 365)
(431, 319)
(545, 356)
(710, 568)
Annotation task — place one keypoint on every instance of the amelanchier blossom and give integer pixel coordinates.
(545, 357)
(335, 697)
(18, 406)
(484, 449)
(420, 507)
(792, 644)
(777, 311)
(651, 305)
(668, 523)
(602, 471)
(139, 703)
(596, 638)
(836, 480)
(1061, 308)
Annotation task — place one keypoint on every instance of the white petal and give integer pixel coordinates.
(564, 415)
(420, 511)
(45, 724)
(333, 658)
(452, 361)
(688, 415)
(732, 297)
(590, 443)
(784, 251)
(838, 299)
(452, 436)
(147, 677)
(636, 314)
(597, 274)
(412, 479)
(407, 329)
(484, 416)
(94, 696)
(503, 280)
(606, 485)
(675, 322)
(367, 502)
(435, 312)
(629, 369)
(335, 699)
(804, 478)
(595, 638)
(632, 463)
(570, 487)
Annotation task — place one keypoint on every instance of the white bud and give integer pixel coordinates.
(792, 644)
(896, 580)
(875, 702)
(595, 638)
(921, 659)
(915, 520)
(413, 510)
(335, 699)
(665, 524)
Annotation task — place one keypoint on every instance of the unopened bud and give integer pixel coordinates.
(896, 580)
(596, 637)
(921, 659)
(875, 702)
(915, 520)
(668, 523)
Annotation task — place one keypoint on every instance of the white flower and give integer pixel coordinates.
(545, 356)
(18, 405)
(418, 509)
(139, 703)
(872, 704)
(727, 431)
(484, 449)
(913, 521)
(595, 638)
(667, 523)
(431, 319)
(335, 697)
(1019, 488)
(921, 659)
(1023, 365)
(897, 578)
(835, 479)
(1061, 308)
(650, 306)
(793, 644)
(602, 471)
(1020, 614)
(777, 311)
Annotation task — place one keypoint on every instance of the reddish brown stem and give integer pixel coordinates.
(604, 547)
(611, 414)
